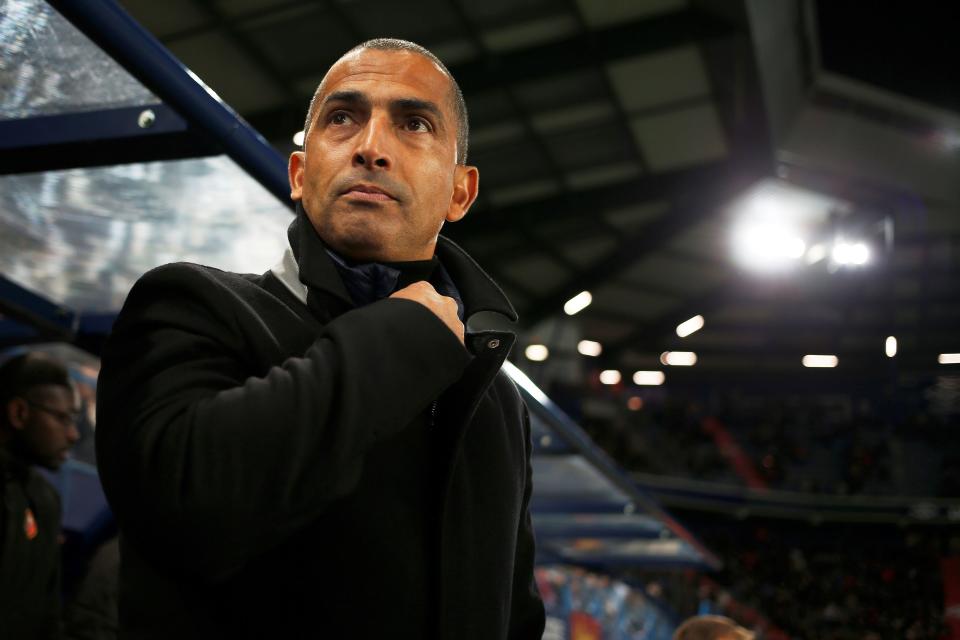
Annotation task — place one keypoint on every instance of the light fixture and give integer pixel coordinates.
(850, 253)
(692, 325)
(649, 378)
(635, 403)
(825, 361)
(890, 347)
(589, 348)
(678, 358)
(577, 303)
(610, 376)
(816, 253)
(298, 138)
(536, 352)
(949, 358)
(767, 246)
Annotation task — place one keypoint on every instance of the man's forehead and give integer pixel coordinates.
(409, 68)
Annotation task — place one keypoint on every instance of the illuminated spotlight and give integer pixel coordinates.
(851, 253)
(298, 138)
(767, 246)
(537, 352)
(577, 303)
(678, 358)
(692, 325)
(890, 346)
(589, 348)
(949, 358)
(649, 378)
(827, 362)
(610, 376)
(816, 253)
(635, 403)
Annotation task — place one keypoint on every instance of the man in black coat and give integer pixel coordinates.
(321, 451)
(37, 428)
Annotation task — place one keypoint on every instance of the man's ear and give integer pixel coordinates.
(466, 185)
(295, 174)
(17, 411)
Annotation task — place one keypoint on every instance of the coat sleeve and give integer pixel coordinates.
(527, 617)
(206, 466)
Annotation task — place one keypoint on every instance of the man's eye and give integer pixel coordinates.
(418, 125)
(339, 118)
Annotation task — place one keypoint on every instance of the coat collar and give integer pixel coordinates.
(305, 265)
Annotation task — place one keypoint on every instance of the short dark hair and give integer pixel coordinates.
(21, 373)
(395, 44)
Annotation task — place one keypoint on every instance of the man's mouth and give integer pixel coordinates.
(367, 192)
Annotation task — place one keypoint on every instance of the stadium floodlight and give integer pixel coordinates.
(577, 303)
(851, 253)
(820, 361)
(890, 346)
(589, 348)
(610, 376)
(949, 358)
(678, 358)
(692, 325)
(649, 378)
(537, 352)
(298, 138)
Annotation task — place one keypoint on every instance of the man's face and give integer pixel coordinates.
(44, 419)
(378, 175)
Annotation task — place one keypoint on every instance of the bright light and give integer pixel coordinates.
(816, 253)
(635, 403)
(537, 352)
(766, 245)
(649, 378)
(891, 346)
(578, 303)
(690, 326)
(820, 361)
(525, 382)
(949, 358)
(610, 376)
(852, 253)
(678, 358)
(298, 138)
(589, 348)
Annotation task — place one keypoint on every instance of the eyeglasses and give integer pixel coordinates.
(66, 418)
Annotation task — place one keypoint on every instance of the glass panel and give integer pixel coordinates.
(599, 525)
(573, 478)
(47, 66)
(81, 237)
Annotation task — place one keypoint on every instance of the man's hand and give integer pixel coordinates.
(443, 307)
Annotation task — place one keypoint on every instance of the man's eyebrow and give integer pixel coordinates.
(416, 104)
(348, 97)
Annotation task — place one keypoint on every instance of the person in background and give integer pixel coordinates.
(711, 628)
(38, 416)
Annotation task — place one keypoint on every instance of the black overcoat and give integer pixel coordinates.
(290, 470)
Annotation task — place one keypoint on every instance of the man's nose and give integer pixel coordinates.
(372, 150)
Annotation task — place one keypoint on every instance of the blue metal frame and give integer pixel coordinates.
(87, 126)
(33, 310)
(137, 50)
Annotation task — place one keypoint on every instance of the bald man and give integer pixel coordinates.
(322, 450)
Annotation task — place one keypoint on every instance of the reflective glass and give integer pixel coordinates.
(81, 237)
(47, 66)
(572, 477)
